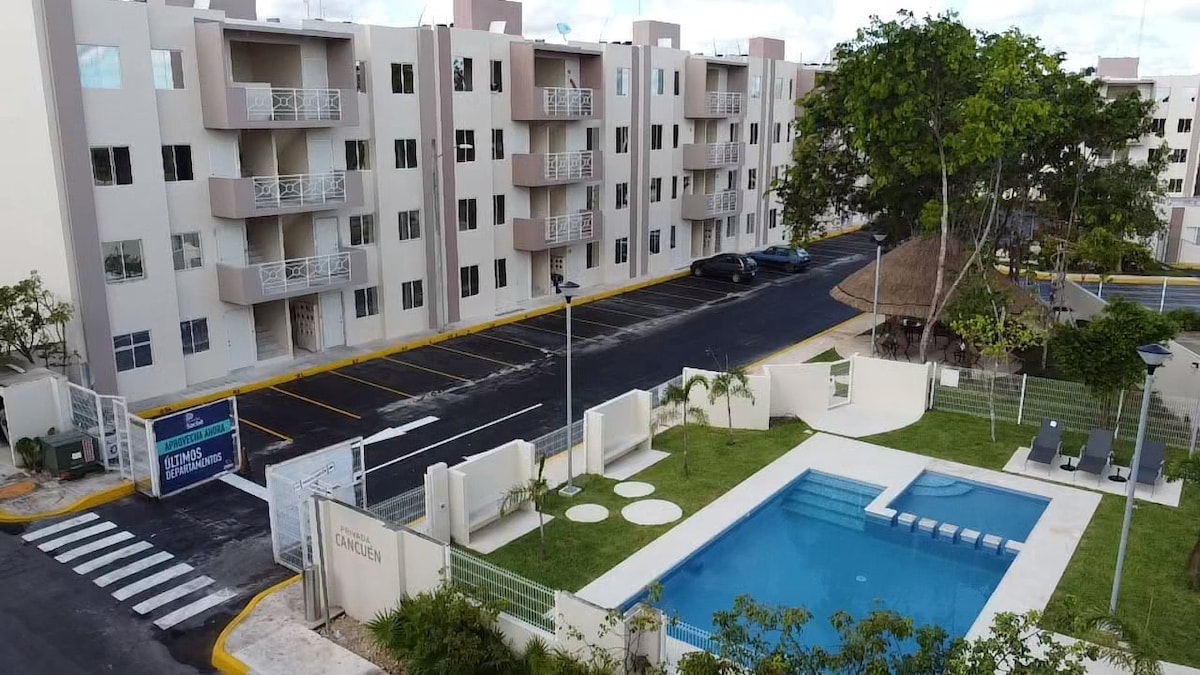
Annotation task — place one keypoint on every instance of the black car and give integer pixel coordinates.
(733, 266)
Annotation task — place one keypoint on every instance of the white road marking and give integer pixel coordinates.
(393, 432)
(97, 563)
(80, 551)
(59, 527)
(171, 595)
(454, 438)
(247, 486)
(77, 535)
(132, 568)
(192, 609)
(151, 581)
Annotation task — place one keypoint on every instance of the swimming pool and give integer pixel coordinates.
(812, 545)
(984, 508)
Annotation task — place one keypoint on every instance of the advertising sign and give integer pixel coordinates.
(196, 445)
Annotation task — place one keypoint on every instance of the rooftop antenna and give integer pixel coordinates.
(1141, 25)
(602, 29)
(563, 29)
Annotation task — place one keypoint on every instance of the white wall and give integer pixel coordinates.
(747, 413)
(479, 485)
(364, 570)
(798, 389)
(34, 404)
(423, 562)
(616, 427)
(892, 385)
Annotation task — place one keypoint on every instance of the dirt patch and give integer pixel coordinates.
(354, 636)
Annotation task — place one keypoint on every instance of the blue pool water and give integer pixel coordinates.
(965, 503)
(812, 546)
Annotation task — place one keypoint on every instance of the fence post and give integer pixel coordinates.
(1021, 404)
(1120, 409)
(933, 385)
(1162, 300)
(1195, 428)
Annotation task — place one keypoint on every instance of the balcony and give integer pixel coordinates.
(700, 156)
(255, 106)
(554, 103)
(539, 234)
(713, 105)
(555, 168)
(276, 280)
(276, 195)
(714, 205)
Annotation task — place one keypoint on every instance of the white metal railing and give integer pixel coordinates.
(683, 638)
(567, 101)
(724, 103)
(723, 154)
(517, 596)
(568, 228)
(283, 276)
(569, 165)
(722, 202)
(299, 189)
(291, 105)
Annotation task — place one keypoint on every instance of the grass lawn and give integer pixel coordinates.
(578, 553)
(826, 356)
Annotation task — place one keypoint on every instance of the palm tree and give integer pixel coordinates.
(677, 402)
(734, 382)
(533, 490)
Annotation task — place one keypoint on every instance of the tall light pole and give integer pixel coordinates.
(878, 237)
(569, 290)
(439, 240)
(1153, 355)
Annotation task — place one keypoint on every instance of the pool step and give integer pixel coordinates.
(830, 499)
(956, 489)
(848, 521)
(955, 535)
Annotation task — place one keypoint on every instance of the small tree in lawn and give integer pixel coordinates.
(733, 383)
(997, 336)
(32, 321)
(533, 490)
(677, 406)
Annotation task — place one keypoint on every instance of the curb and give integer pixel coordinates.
(112, 494)
(822, 334)
(222, 660)
(1120, 279)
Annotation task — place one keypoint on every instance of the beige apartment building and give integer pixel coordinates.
(214, 191)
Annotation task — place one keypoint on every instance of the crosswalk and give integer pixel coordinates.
(158, 585)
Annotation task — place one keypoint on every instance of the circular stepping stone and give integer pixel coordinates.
(586, 513)
(633, 489)
(652, 512)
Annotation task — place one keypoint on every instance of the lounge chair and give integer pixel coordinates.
(1047, 445)
(1096, 455)
(1150, 469)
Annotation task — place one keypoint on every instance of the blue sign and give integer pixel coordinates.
(195, 445)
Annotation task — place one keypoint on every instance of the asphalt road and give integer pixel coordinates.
(1151, 295)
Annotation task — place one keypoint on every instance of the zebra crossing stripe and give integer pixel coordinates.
(59, 527)
(80, 551)
(77, 535)
(132, 568)
(96, 563)
(192, 609)
(171, 595)
(146, 583)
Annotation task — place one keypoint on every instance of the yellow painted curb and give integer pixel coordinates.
(1127, 279)
(818, 336)
(832, 235)
(222, 660)
(112, 494)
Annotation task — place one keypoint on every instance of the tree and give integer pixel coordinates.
(533, 490)
(730, 384)
(677, 402)
(32, 321)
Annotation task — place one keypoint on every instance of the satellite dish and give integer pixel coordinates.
(563, 29)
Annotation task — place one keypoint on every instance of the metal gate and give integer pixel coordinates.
(143, 456)
(335, 472)
(85, 409)
(116, 435)
(840, 376)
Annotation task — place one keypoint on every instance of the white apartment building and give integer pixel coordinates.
(1176, 122)
(215, 192)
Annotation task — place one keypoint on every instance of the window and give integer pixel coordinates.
(412, 294)
(1151, 154)
(735, 132)
(592, 136)
(1175, 185)
(366, 301)
(132, 350)
(752, 179)
(622, 81)
(497, 77)
(360, 76)
(501, 272)
(657, 82)
(675, 136)
(674, 187)
(749, 223)
(778, 132)
(622, 195)
(656, 136)
(622, 141)
(1163, 94)
(756, 86)
(788, 137)
(593, 197)
(592, 259)
(177, 162)
(772, 219)
(1179, 155)
(469, 280)
(110, 166)
(778, 88)
(1158, 125)
(1185, 125)
(362, 230)
(621, 254)
(403, 78)
(467, 214)
(464, 77)
(406, 153)
(672, 232)
(498, 215)
(194, 334)
(655, 241)
(754, 133)
(410, 225)
(730, 179)
(677, 83)
(731, 226)
(185, 249)
(497, 143)
(167, 65)
(775, 173)
(656, 189)
(464, 145)
(123, 260)
(791, 90)
(358, 157)
(99, 67)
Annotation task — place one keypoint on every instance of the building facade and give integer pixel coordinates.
(215, 192)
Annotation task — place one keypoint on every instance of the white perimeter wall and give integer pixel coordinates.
(895, 386)
(747, 414)
(478, 486)
(798, 390)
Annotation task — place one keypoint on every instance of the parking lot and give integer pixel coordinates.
(1178, 296)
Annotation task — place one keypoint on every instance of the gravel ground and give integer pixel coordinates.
(354, 636)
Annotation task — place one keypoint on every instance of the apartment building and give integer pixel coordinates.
(1177, 123)
(217, 192)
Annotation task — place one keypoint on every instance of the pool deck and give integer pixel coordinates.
(1028, 584)
(1166, 493)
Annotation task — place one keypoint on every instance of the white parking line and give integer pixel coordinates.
(247, 486)
(171, 595)
(77, 535)
(454, 438)
(59, 527)
(80, 551)
(97, 563)
(151, 581)
(132, 568)
(192, 609)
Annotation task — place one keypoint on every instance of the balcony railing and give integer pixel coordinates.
(704, 206)
(568, 228)
(724, 154)
(724, 103)
(567, 102)
(291, 105)
(287, 276)
(306, 189)
(569, 165)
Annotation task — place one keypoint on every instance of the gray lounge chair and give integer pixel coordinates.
(1150, 469)
(1047, 445)
(1096, 456)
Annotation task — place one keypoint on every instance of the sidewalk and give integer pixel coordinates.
(25, 498)
(840, 337)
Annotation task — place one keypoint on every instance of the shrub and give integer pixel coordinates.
(32, 455)
(1186, 318)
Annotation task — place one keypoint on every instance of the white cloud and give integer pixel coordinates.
(1084, 29)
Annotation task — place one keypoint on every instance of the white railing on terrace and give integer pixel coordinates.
(718, 203)
(724, 103)
(292, 105)
(568, 228)
(569, 165)
(721, 154)
(285, 276)
(683, 638)
(567, 101)
(299, 189)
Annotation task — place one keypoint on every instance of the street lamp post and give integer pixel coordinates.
(878, 237)
(1153, 355)
(569, 290)
(439, 240)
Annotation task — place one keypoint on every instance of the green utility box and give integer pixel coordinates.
(70, 454)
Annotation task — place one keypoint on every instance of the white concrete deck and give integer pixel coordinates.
(856, 421)
(508, 529)
(634, 463)
(586, 513)
(1167, 493)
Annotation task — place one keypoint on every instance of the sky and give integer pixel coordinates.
(1083, 29)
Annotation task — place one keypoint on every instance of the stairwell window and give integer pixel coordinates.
(622, 141)
(656, 136)
(501, 272)
(194, 335)
(751, 179)
(756, 86)
(410, 225)
(403, 78)
(406, 153)
(497, 77)
(677, 83)
(1175, 185)
(99, 66)
(498, 210)
(1184, 126)
(362, 230)
(167, 65)
(412, 294)
(672, 238)
(464, 145)
(133, 350)
(623, 81)
(657, 82)
(110, 166)
(123, 261)
(772, 219)
(675, 136)
(754, 133)
(358, 155)
(468, 213)
(177, 162)
(749, 223)
(366, 301)
(185, 250)
(464, 75)
(1179, 156)
(655, 241)
(360, 76)
(655, 190)
(1158, 126)
(622, 193)
(592, 255)
(497, 143)
(469, 280)
(621, 251)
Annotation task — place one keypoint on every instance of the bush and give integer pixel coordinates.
(32, 455)
(1186, 318)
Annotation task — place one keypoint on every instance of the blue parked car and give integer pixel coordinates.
(788, 258)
